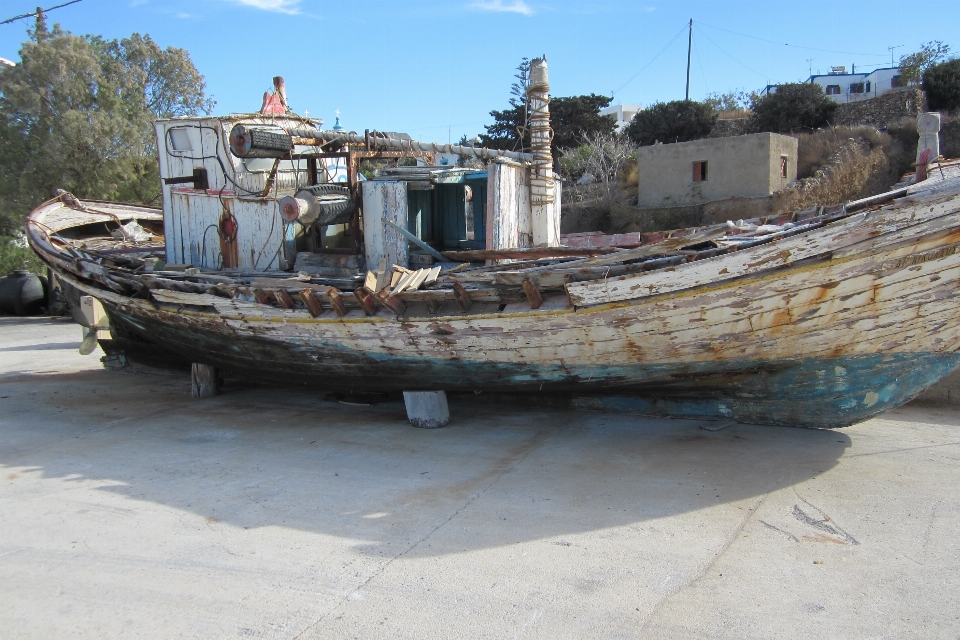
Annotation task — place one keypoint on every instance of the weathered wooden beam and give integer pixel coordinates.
(283, 298)
(336, 301)
(310, 302)
(533, 253)
(427, 409)
(532, 291)
(463, 298)
(395, 304)
(367, 301)
(204, 380)
(260, 295)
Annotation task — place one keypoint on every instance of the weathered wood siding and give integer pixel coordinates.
(509, 223)
(384, 199)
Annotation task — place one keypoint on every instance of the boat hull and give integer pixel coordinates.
(816, 391)
(817, 329)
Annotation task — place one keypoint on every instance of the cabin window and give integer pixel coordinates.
(783, 166)
(180, 139)
(856, 87)
(700, 171)
(833, 90)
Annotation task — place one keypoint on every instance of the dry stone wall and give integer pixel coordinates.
(884, 110)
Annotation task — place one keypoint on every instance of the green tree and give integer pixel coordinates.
(942, 84)
(676, 121)
(738, 100)
(572, 118)
(76, 113)
(793, 108)
(913, 65)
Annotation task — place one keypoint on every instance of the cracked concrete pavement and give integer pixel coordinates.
(129, 509)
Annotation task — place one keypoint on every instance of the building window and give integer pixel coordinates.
(896, 81)
(783, 166)
(856, 87)
(833, 90)
(700, 171)
(868, 86)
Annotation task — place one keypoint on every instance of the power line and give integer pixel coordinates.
(765, 77)
(787, 44)
(644, 68)
(36, 13)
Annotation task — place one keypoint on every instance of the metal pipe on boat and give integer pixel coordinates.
(322, 137)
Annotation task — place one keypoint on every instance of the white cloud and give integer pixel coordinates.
(291, 7)
(513, 6)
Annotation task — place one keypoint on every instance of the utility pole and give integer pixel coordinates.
(689, 46)
(890, 49)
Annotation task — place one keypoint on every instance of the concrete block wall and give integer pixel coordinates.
(747, 165)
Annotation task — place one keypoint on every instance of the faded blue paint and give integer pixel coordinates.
(828, 391)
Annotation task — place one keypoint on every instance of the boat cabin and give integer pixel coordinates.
(256, 193)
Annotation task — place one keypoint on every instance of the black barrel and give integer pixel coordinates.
(22, 294)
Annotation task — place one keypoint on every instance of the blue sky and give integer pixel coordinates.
(435, 68)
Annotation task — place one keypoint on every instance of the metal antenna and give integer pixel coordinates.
(890, 49)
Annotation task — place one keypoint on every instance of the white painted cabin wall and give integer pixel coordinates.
(384, 199)
(191, 217)
(509, 219)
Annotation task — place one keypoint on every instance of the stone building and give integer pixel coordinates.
(701, 171)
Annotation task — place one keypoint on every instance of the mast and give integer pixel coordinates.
(689, 46)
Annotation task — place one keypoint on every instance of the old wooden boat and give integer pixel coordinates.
(817, 318)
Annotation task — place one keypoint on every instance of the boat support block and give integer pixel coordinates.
(204, 381)
(427, 409)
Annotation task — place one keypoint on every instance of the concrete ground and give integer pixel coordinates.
(130, 510)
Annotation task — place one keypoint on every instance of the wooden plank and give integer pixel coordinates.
(337, 302)
(432, 275)
(418, 279)
(595, 239)
(533, 253)
(405, 280)
(653, 249)
(382, 274)
(367, 301)
(534, 297)
(283, 298)
(393, 303)
(463, 298)
(864, 228)
(310, 302)
(370, 282)
(182, 297)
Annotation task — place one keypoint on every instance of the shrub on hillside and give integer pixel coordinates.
(942, 84)
(794, 108)
(677, 121)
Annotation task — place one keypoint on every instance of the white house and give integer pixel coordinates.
(622, 112)
(843, 87)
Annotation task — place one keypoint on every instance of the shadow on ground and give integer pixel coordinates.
(260, 457)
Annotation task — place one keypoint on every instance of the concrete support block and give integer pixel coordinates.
(204, 381)
(427, 409)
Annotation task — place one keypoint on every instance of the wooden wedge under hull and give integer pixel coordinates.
(818, 328)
